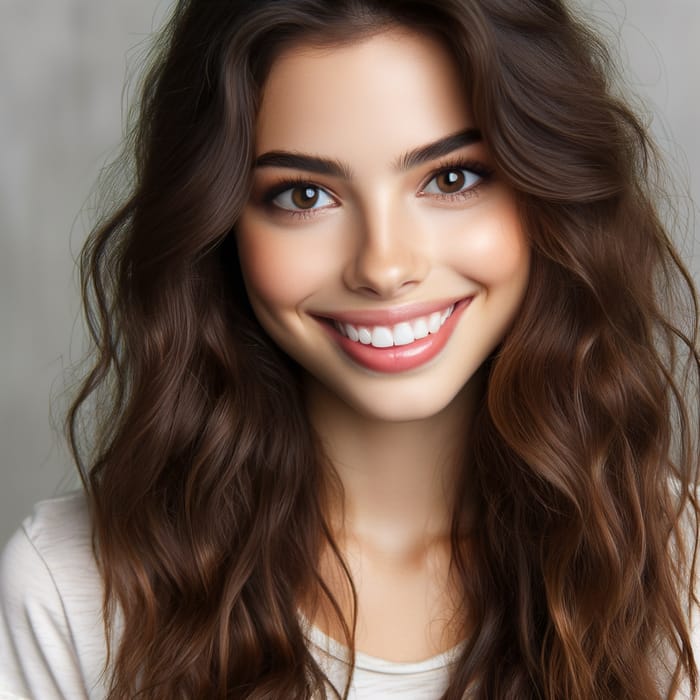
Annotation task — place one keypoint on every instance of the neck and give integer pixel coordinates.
(397, 477)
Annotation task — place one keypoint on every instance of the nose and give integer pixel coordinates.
(389, 257)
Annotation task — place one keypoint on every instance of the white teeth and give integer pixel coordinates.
(434, 322)
(382, 337)
(420, 329)
(403, 333)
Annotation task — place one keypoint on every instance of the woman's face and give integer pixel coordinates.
(378, 247)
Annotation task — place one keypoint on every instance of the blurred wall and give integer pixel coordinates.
(62, 67)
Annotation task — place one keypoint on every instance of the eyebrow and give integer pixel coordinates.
(302, 161)
(437, 149)
(336, 168)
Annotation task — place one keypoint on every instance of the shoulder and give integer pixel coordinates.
(52, 642)
(51, 553)
(57, 529)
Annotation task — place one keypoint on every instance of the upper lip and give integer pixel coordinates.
(392, 316)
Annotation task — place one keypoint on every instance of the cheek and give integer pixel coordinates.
(280, 268)
(494, 247)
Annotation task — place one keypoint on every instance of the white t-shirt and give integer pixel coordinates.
(52, 644)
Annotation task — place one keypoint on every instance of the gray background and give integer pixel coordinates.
(63, 64)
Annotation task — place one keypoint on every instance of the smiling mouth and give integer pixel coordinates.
(398, 347)
(403, 333)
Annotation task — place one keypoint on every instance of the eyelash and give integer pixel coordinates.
(479, 169)
(482, 171)
(290, 183)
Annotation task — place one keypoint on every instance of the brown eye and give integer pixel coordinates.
(450, 181)
(302, 197)
(453, 181)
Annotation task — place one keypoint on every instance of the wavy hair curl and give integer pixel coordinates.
(204, 475)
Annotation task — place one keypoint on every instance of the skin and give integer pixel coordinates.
(379, 237)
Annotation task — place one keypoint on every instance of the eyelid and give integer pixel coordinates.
(308, 186)
(481, 170)
(290, 183)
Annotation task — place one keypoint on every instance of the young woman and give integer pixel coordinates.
(394, 383)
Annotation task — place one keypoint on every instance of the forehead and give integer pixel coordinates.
(381, 95)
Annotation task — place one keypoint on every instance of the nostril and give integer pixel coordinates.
(381, 291)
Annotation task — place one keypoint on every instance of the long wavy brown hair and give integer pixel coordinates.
(204, 475)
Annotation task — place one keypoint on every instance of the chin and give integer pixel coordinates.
(399, 401)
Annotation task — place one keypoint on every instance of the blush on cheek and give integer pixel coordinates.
(493, 248)
(281, 273)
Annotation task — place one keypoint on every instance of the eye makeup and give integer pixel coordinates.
(455, 164)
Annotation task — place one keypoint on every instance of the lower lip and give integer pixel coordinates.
(399, 358)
